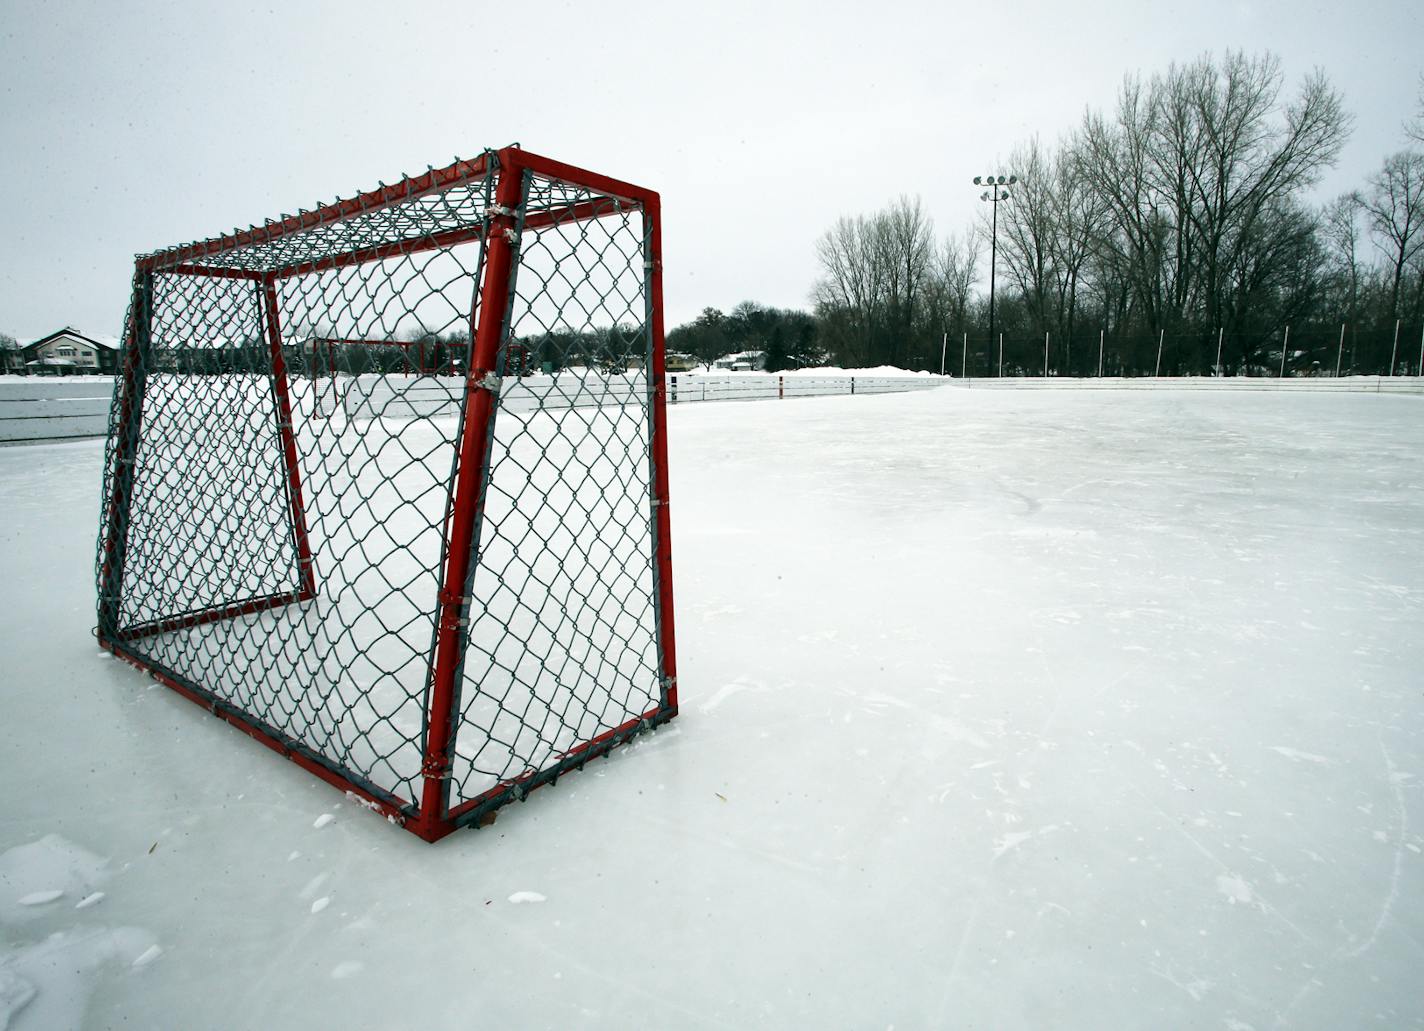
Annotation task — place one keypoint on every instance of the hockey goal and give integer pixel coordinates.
(386, 483)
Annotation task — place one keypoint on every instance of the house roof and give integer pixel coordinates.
(70, 331)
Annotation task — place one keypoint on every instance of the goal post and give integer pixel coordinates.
(438, 579)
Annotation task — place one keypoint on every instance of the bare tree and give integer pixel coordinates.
(1119, 153)
(1344, 265)
(1394, 207)
(847, 293)
(1251, 163)
(1029, 229)
(904, 239)
(1082, 219)
(9, 353)
(1198, 173)
(1414, 128)
(877, 278)
(955, 274)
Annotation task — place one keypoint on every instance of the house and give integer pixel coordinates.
(65, 352)
(742, 361)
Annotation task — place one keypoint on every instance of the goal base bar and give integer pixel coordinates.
(398, 811)
(471, 813)
(214, 615)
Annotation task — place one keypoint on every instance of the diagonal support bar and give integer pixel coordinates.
(282, 401)
(469, 484)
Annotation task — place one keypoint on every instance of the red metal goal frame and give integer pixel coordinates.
(430, 816)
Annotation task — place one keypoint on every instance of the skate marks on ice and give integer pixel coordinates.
(1355, 947)
(51, 957)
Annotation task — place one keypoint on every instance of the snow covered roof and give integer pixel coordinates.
(106, 342)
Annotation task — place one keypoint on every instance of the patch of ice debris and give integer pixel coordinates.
(51, 977)
(42, 871)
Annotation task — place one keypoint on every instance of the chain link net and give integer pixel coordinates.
(280, 475)
(562, 641)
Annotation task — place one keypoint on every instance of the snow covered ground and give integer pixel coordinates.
(1001, 709)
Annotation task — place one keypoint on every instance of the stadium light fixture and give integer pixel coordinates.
(998, 191)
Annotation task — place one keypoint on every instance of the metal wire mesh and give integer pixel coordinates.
(281, 478)
(562, 643)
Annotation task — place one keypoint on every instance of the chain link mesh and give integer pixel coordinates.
(281, 469)
(562, 643)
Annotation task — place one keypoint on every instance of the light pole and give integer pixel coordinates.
(997, 191)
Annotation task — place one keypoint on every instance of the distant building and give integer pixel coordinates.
(678, 362)
(66, 352)
(742, 361)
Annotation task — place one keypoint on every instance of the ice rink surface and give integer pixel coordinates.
(1000, 709)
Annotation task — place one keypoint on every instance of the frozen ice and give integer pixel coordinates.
(322, 820)
(15, 992)
(526, 896)
(348, 969)
(47, 984)
(916, 631)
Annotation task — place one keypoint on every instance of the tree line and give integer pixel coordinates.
(1175, 232)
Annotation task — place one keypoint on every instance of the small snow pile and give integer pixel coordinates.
(39, 898)
(1234, 887)
(15, 993)
(886, 371)
(33, 875)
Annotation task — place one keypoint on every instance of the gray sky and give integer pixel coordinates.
(125, 127)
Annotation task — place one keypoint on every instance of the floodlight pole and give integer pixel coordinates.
(1285, 344)
(1220, 332)
(1100, 353)
(1394, 354)
(1340, 354)
(964, 359)
(1161, 336)
(944, 346)
(997, 191)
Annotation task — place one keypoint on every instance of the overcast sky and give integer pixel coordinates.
(125, 127)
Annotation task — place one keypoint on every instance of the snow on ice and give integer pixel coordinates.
(1010, 709)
